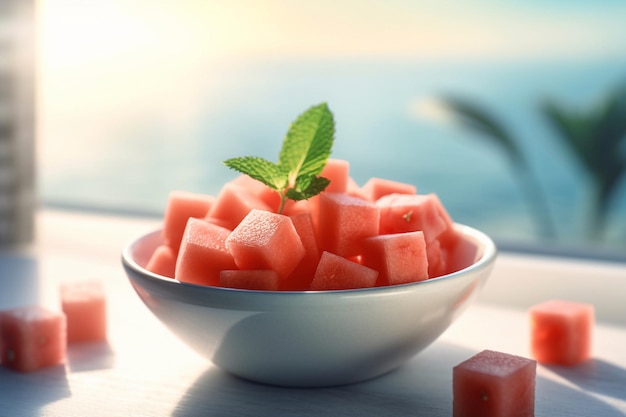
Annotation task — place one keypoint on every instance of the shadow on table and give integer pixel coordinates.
(24, 394)
(595, 375)
(90, 356)
(423, 387)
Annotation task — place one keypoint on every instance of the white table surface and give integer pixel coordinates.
(145, 371)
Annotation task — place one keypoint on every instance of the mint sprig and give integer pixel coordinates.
(304, 154)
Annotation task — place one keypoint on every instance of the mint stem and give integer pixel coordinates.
(283, 200)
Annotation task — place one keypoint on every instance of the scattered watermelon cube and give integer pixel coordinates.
(181, 205)
(494, 384)
(266, 240)
(376, 188)
(335, 272)
(84, 305)
(203, 253)
(162, 261)
(399, 258)
(32, 338)
(344, 221)
(561, 332)
(260, 279)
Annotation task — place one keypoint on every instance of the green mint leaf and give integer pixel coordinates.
(308, 143)
(312, 186)
(260, 169)
(303, 156)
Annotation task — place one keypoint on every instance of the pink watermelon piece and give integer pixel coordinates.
(335, 272)
(257, 188)
(494, 384)
(376, 188)
(399, 258)
(32, 338)
(408, 213)
(181, 205)
(344, 222)
(203, 253)
(233, 203)
(561, 332)
(266, 240)
(293, 208)
(301, 277)
(260, 279)
(163, 261)
(459, 253)
(437, 259)
(84, 305)
(353, 189)
(337, 171)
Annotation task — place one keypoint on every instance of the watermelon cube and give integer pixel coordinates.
(437, 255)
(266, 240)
(32, 338)
(338, 273)
(293, 208)
(376, 188)
(561, 332)
(344, 222)
(337, 171)
(203, 253)
(300, 278)
(270, 196)
(84, 305)
(162, 261)
(181, 205)
(411, 212)
(233, 203)
(399, 258)
(260, 279)
(353, 189)
(494, 384)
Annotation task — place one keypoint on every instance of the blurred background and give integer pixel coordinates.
(513, 112)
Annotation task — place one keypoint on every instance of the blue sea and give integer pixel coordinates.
(383, 129)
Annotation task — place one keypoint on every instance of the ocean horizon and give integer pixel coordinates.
(380, 128)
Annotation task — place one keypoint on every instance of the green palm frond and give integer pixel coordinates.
(481, 121)
(597, 138)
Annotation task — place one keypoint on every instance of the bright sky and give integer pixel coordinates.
(87, 29)
(106, 59)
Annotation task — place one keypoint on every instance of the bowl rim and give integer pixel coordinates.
(485, 260)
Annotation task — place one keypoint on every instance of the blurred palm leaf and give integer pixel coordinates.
(597, 138)
(478, 119)
(481, 121)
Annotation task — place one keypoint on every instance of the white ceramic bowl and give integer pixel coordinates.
(313, 338)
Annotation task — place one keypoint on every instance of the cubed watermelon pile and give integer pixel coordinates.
(348, 236)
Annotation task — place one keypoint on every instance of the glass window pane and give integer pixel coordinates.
(512, 112)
